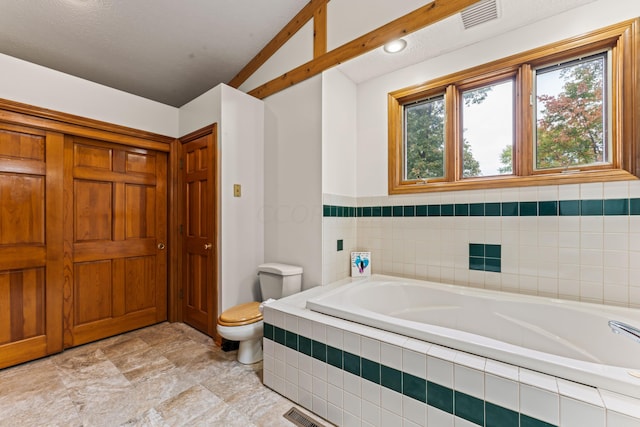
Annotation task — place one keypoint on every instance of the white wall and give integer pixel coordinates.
(350, 19)
(588, 258)
(293, 178)
(43, 87)
(240, 119)
(372, 95)
(296, 51)
(339, 135)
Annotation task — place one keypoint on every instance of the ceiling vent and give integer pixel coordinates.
(479, 13)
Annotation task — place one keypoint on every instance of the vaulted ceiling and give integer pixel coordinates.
(165, 50)
(172, 51)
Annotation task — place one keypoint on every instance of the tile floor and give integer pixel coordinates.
(164, 375)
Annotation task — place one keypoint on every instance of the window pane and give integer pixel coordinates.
(424, 139)
(570, 108)
(487, 123)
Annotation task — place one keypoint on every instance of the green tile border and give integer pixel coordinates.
(470, 408)
(483, 257)
(588, 207)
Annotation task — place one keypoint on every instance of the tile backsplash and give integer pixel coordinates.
(579, 241)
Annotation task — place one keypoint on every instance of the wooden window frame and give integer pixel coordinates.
(621, 40)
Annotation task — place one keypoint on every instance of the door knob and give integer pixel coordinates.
(161, 246)
(207, 246)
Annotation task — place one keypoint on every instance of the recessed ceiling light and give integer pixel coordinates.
(395, 46)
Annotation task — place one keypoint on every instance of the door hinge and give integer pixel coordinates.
(180, 294)
(180, 229)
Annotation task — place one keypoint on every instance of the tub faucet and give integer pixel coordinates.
(623, 328)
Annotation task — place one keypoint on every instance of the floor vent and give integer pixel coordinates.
(298, 418)
(479, 13)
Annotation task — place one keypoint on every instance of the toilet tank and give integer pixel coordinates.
(279, 280)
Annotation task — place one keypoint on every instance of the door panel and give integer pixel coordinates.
(118, 238)
(200, 241)
(30, 244)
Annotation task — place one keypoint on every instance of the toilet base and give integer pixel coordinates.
(250, 351)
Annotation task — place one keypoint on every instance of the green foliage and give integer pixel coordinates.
(570, 127)
(506, 158)
(424, 127)
(424, 149)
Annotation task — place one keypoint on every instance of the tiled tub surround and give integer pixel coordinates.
(355, 375)
(577, 242)
(560, 338)
(337, 263)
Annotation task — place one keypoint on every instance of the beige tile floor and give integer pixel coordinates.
(164, 375)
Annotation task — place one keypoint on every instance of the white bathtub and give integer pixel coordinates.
(565, 339)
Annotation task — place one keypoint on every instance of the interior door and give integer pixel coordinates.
(30, 243)
(116, 231)
(199, 296)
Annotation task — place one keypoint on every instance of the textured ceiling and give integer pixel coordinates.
(449, 34)
(171, 51)
(167, 50)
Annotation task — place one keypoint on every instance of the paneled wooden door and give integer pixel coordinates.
(31, 251)
(199, 295)
(116, 230)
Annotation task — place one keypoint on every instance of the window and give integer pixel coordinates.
(562, 113)
(424, 139)
(571, 114)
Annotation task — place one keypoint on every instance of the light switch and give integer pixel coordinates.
(237, 190)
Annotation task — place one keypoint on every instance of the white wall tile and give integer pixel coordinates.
(334, 395)
(414, 363)
(414, 411)
(388, 418)
(391, 401)
(391, 356)
(541, 404)
(352, 384)
(370, 349)
(334, 376)
(615, 419)
(371, 392)
(319, 369)
(334, 414)
(469, 381)
(352, 404)
(502, 392)
(574, 413)
(439, 418)
(371, 414)
(319, 406)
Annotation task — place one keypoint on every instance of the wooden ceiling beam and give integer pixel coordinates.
(320, 31)
(413, 21)
(298, 21)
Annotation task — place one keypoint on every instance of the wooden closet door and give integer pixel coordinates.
(30, 243)
(116, 231)
(200, 252)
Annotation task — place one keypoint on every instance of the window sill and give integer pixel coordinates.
(514, 181)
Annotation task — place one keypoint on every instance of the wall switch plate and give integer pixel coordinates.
(237, 190)
(340, 245)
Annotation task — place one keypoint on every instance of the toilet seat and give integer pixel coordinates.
(243, 314)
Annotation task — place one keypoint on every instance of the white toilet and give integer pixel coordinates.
(243, 323)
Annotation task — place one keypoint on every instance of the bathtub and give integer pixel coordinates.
(565, 339)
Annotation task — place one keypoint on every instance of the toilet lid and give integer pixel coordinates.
(242, 314)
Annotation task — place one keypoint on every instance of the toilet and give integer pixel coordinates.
(243, 323)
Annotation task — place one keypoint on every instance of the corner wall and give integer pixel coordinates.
(293, 179)
(240, 139)
(43, 87)
(590, 254)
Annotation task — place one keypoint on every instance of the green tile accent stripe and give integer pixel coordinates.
(597, 207)
(484, 257)
(462, 405)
